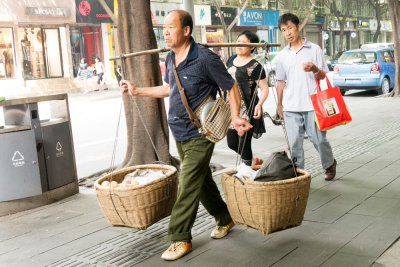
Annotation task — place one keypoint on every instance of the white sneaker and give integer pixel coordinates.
(222, 231)
(177, 250)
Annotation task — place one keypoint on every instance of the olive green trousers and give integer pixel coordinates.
(195, 184)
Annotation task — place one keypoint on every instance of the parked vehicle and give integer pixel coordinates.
(332, 61)
(376, 46)
(270, 66)
(365, 70)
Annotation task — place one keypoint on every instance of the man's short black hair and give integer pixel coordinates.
(285, 18)
(185, 18)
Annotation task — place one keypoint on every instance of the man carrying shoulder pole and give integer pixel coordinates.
(201, 73)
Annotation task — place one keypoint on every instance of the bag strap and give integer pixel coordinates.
(327, 83)
(192, 116)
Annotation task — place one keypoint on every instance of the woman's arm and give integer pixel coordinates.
(264, 95)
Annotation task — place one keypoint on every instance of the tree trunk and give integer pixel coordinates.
(341, 34)
(146, 119)
(378, 21)
(394, 12)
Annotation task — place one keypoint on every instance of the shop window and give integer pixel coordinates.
(86, 42)
(41, 55)
(162, 13)
(157, 13)
(7, 67)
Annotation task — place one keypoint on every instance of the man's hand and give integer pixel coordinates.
(309, 66)
(279, 110)
(241, 125)
(257, 112)
(127, 87)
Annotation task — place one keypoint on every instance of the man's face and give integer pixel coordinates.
(290, 31)
(174, 34)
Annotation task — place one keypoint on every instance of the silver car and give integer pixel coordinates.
(270, 66)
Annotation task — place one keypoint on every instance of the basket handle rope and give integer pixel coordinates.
(237, 202)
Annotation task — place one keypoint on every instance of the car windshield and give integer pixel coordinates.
(357, 58)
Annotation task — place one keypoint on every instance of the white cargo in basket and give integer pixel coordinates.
(144, 176)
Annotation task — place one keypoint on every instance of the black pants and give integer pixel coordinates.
(238, 143)
(99, 77)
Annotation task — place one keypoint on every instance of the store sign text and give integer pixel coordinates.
(48, 11)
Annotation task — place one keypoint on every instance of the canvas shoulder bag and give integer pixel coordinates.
(215, 115)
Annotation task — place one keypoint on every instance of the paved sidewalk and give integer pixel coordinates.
(351, 220)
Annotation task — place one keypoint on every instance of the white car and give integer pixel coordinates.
(376, 46)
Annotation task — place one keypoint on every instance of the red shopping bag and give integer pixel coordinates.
(329, 106)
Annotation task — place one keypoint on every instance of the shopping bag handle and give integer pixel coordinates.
(327, 82)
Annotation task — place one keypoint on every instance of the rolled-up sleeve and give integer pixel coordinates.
(280, 70)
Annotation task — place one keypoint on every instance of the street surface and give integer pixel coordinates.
(94, 118)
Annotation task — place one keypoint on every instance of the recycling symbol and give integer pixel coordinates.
(59, 146)
(17, 156)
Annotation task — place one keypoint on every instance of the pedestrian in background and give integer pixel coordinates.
(100, 70)
(206, 74)
(297, 67)
(118, 74)
(249, 74)
(83, 70)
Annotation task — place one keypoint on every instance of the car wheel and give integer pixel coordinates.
(271, 79)
(385, 87)
(342, 91)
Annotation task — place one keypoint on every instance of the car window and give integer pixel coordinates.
(386, 56)
(357, 58)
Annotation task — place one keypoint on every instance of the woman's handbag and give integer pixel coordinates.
(329, 106)
(213, 124)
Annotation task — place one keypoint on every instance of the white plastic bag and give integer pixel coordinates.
(245, 172)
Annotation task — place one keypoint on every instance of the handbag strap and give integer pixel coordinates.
(327, 83)
(192, 116)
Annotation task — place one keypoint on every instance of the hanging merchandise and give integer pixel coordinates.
(330, 108)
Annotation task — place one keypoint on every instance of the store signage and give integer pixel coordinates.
(348, 26)
(271, 18)
(159, 11)
(319, 19)
(229, 14)
(252, 17)
(363, 24)
(48, 11)
(385, 25)
(202, 15)
(91, 11)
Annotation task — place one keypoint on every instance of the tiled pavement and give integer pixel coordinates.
(349, 221)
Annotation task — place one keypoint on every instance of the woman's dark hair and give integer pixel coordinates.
(285, 18)
(185, 18)
(253, 38)
(84, 60)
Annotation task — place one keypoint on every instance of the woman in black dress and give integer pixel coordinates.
(248, 72)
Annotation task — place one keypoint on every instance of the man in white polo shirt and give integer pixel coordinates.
(297, 67)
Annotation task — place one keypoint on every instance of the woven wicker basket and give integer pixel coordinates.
(140, 206)
(267, 206)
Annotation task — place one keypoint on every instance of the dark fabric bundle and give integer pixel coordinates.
(276, 167)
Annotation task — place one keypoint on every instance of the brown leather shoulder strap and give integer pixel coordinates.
(192, 116)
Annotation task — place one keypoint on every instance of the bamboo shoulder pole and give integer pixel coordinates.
(166, 49)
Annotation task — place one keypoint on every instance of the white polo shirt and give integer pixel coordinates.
(299, 84)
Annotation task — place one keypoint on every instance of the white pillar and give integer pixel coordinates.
(106, 49)
(189, 7)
